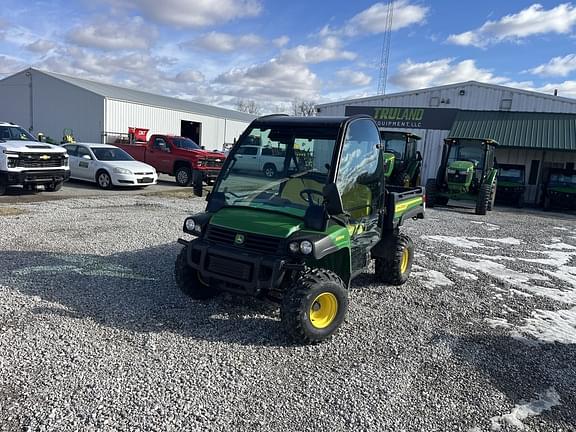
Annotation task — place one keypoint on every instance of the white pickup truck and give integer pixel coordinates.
(27, 162)
(266, 159)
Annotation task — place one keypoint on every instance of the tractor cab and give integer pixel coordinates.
(467, 171)
(407, 160)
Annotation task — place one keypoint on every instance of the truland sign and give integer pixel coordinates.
(408, 118)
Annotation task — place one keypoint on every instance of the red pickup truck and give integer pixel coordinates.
(177, 156)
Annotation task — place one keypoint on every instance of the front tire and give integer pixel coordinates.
(53, 187)
(484, 199)
(183, 176)
(395, 266)
(431, 193)
(104, 180)
(189, 281)
(314, 306)
(270, 170)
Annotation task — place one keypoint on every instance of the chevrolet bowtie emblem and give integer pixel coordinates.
(44, 157)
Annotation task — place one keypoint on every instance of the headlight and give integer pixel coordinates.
(122, 171)
(306, 247)
(294, 247)
(451, 171)
(189, 224)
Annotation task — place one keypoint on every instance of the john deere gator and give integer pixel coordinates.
(300, 238)
(511, 184)
(467, 172)
(560, 189)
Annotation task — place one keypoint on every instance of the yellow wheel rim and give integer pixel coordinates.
(404, 261)
(323, 310)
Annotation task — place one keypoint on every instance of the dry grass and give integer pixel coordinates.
(11, 211)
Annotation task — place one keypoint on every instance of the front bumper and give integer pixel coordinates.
(34, 176)
(209, 173)
(134, 179)
(235, 271)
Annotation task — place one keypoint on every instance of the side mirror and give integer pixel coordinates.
(87, 157)
(333, 199)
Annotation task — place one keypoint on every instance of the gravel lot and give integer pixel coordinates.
(94, 334)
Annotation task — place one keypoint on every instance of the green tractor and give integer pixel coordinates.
(408, 161)
(511, 184)
(560, 189)
(298, 239)
(467, 172)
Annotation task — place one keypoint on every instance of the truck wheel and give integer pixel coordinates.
(189, 280)
(431, 192)
(183, 176)
(270, 170)
(103, 179)
(314, 306)
(394, 268)
(53, 187)
(483, 199)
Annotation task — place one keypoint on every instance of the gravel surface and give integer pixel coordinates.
(94, 334)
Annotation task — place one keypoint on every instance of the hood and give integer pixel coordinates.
(133, 166)
(257, 222)
(31, 147)
(461, 166)
(208, 154)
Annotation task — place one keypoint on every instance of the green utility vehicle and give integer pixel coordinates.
(300, 238)
(407, 160)
(467, 172)
(560, 189)
(511, 184)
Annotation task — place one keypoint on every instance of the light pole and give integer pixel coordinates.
(31, 128)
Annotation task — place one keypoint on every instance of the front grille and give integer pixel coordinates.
(227, 267)
(145, 180)
(212, 163)
(143, 173)
(39, 160)
(462, 177)
(252, 242)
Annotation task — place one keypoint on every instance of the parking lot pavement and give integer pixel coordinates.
(94, 334)
(79, 189)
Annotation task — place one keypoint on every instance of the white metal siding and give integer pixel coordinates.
(120, 115)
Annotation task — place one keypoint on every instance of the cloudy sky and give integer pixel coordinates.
(217, 51)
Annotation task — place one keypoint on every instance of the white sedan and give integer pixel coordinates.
(108, 166)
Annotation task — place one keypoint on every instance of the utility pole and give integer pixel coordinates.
(385, 54)
(31, 128)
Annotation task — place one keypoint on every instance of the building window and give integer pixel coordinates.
(506, 104)
(534, 166)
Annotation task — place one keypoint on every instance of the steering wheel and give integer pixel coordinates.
(306, 195)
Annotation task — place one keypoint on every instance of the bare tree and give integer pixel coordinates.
(301, 107)
(248, 106)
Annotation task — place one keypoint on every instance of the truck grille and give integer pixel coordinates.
(39, 160)
(227, 267)
(252, 242)
(212, 163)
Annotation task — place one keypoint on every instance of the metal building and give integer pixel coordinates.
(535, 130)
(96, 112)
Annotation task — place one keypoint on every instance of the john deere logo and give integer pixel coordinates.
(44, 157)
(239, 239)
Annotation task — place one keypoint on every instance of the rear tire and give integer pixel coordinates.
(270, 170)
(103, 180)
(189, 281)
(183, 176)
(395, 266)
(314, 306)
(53, 187)
(492, 196)
(431, 193)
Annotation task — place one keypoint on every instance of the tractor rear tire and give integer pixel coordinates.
(431, 193)
(394, 267)
(314, 306)
(483, 199)
(492, 196)
(189, 281)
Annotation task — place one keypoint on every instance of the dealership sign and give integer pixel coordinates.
(408, 118)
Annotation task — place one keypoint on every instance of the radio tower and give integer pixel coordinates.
(385, 55)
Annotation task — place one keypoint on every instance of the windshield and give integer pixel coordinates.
(511, 174)
(396, 146)
(15, 133)
(563, 180)
(186, 144)
(282, 169)
(467, 150)
(110, 154)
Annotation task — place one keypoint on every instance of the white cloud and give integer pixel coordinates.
(274, 79)
(353, 78)
(558, 66)
(410, 75)
(329, 50)
(565, 88)
(188, 13)
(41, 46)
(224, 42)
(281, 41)
(531, 21)
(373, 19)
(189, 75)
(132, 33)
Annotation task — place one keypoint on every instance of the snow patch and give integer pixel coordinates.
(462, 242)
(504, 240)
(498, 323)
(550, 398)
(560, 246)
(434, 278)
(555, 258)
(552, 326)
(466, 275)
